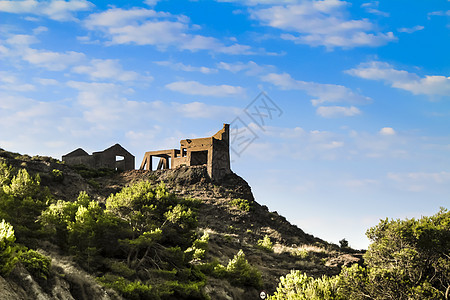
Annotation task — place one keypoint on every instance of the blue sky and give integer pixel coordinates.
(355, 127)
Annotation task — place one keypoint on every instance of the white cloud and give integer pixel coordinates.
(107, 106)
(437, 177)
(439, 13)
(151, 2)
(259, 2)
(372, 8)
(29, 124)
(10, 82)
(377, 12)
(196, 88)
(21, 40)
(429, 85)
(50, 60)
(201, 110)
(411, 29)
(18, 46)
(337, 111)
(100, 69)
(387, 131)
(40, 29)
(160, 29)
(322, 23)
(251, 68)
(54, 9)
(186, 68)
(323, 93)
(420, 181)
(46, 81)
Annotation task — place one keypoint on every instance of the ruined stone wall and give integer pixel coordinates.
(220, 160)
(87, 160)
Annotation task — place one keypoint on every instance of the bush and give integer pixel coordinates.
(21, 202)
(134, 290)
(241, 204)
(298, 286)
(57, 175)
(37, 264)
(199, 247)
(6, 174)
(343, 244)
(265, 244)
(408, 259)
(240, 272)
(8, 249)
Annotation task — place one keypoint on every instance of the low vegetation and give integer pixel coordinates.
(241, 204)
(144, 242)
(408, 259)
(141, 243)
(265, 244)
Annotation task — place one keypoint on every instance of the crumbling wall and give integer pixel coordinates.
(212, 151)
(102, 159)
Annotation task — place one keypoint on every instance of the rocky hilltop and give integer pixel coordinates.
(227, 212)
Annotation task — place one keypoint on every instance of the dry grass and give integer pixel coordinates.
(301, 251)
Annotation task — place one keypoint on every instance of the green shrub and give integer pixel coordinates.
(6, 174)
(57, 175)
(121, 268)
(21, 203)
(298, 286)
(8, 249)
(265, 244)
(37, 264)
(241, 204)
(199, 247)
(134, 290)
(240, 272)
(188, 290)
(409, 259)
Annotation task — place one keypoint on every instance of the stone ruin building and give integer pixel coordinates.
(115, 157)
(214, 152)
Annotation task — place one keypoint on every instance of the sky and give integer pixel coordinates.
(339, 110)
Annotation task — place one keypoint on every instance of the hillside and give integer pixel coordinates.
(227, 212)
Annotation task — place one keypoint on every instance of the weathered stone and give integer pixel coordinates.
(214, 152)
(107, 158)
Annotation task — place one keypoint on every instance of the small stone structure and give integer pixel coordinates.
(115, 157)
(214, 152)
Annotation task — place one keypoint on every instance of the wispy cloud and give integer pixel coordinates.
(199, 89)
(411, 29)
(250, 68)
(10, 82)
(186, 68)
(322, 93)
(141, 26)
(439, 13)
(372, 8)
(420, 181)
(431, 85)
(19, 46)
(54, 9)
(101, 69)
(337, 111)
(322, 23)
